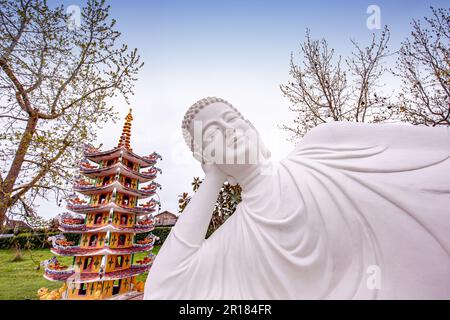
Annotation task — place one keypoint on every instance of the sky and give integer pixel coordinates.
(236, 50)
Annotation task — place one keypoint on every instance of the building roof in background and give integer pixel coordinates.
(166, 212)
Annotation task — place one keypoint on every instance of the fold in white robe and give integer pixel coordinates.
(356, 211)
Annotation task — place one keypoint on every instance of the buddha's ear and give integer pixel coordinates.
(265, 151)
(198, 156)
(262, 147)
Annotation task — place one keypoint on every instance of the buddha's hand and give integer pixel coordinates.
(211, 170)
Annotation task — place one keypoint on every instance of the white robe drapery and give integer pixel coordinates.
(352, 206)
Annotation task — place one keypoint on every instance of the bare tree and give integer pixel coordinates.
(324, 89)
(54, 80)
(424, 68)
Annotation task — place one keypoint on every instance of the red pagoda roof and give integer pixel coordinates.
(139, 193)
(124, 170)
(87, 208)
(144, 162)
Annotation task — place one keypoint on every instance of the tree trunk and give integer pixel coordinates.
(8, 184)
(3, 207)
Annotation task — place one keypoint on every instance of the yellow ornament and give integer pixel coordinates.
(42, 291)
(54, 295)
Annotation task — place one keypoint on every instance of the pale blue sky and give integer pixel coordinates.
(238, 50)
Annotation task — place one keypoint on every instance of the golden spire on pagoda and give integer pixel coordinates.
(126, 132)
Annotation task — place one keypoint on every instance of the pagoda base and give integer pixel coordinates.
(132, 295)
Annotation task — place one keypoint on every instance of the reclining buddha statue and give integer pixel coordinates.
(355, 211)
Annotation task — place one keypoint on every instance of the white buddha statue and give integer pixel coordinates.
(356, 211)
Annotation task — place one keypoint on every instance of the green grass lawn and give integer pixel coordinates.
(20, 279)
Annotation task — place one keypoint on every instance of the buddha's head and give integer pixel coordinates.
(217, 133)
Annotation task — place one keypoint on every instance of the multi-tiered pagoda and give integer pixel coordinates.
(113, 210)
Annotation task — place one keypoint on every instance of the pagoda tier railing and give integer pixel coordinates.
(70, 221)
(54, 275)
(78, 251)
(108, 227)
(87, 208)
(64, 245)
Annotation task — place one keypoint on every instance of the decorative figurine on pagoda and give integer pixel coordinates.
(108, 221)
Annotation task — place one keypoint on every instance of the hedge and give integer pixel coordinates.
(27, 241)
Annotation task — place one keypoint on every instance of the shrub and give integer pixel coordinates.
(161, 232)
(27, 241)
(6, 230)
(74, 237)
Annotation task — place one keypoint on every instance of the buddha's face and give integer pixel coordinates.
(222, 137)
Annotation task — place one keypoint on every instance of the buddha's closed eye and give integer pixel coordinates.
(210, 133)
(232, 119)
(230, 116)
